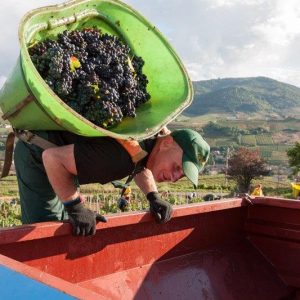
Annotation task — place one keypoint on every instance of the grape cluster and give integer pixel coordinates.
(94, 73)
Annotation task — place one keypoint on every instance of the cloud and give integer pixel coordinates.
(223, 3)
(11, 13)
(214, 38)
(283, 23)
(2, 80)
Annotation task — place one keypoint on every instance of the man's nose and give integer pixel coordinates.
(176, 176)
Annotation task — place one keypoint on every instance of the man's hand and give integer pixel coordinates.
(161, 209)
(83, 220)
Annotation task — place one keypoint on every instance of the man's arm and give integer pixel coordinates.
(161, 209)
(60, 166)
(145, 181)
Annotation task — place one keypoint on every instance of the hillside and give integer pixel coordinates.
(260, 95)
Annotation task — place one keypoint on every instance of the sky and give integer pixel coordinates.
(213, 38)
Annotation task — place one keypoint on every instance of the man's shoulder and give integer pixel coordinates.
(67, 137)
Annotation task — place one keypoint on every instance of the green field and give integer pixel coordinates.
(248, 140)
(270, 125)
(225, 143)
(207, 183)
(275, 154)
(103, 198)
(264, 140)
(3, 130)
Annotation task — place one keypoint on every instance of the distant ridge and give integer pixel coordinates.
(248, 95)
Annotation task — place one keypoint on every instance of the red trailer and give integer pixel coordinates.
(226, 249)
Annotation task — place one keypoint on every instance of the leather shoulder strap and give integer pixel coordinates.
(134, 149)
(131, 146)
(9, 149)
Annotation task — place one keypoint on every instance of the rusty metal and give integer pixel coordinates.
(16, 109)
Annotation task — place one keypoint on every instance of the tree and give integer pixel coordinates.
(245, 165)
(294, 157)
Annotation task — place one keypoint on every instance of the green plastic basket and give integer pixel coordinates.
(28, 103)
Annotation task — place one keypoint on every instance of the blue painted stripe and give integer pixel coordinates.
(14, 285)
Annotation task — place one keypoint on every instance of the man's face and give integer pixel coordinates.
(166, 161)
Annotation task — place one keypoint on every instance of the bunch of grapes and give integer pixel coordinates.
(94, 73)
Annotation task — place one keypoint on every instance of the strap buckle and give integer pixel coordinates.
(24, 135)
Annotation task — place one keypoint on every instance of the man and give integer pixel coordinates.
(47, 179)
(257, 192)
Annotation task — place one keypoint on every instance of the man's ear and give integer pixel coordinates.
(166, 142)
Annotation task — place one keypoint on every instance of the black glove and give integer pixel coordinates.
(161, 209)
(83, 220)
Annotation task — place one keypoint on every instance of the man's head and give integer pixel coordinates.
(181, 153)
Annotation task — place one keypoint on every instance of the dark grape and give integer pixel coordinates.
(94, 73)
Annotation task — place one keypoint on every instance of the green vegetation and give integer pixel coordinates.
(269, 128)
(2, 130)
(244, 166)
(294, 157)
(9, 187)
(273, 138)
(248, 95)
(214, 129)
(248, 140)
(264, 140)
(104, 198)
(10, 214)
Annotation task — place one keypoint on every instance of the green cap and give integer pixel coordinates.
(195, 152)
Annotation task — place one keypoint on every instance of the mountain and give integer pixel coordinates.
(248, 95)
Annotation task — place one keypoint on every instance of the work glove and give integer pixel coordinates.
(161, 209)
(83, 220)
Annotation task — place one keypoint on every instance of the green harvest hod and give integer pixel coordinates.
(169, 86)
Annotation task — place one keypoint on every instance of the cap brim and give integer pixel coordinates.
(191, 171)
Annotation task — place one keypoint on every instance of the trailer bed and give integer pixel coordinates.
(226, 249)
